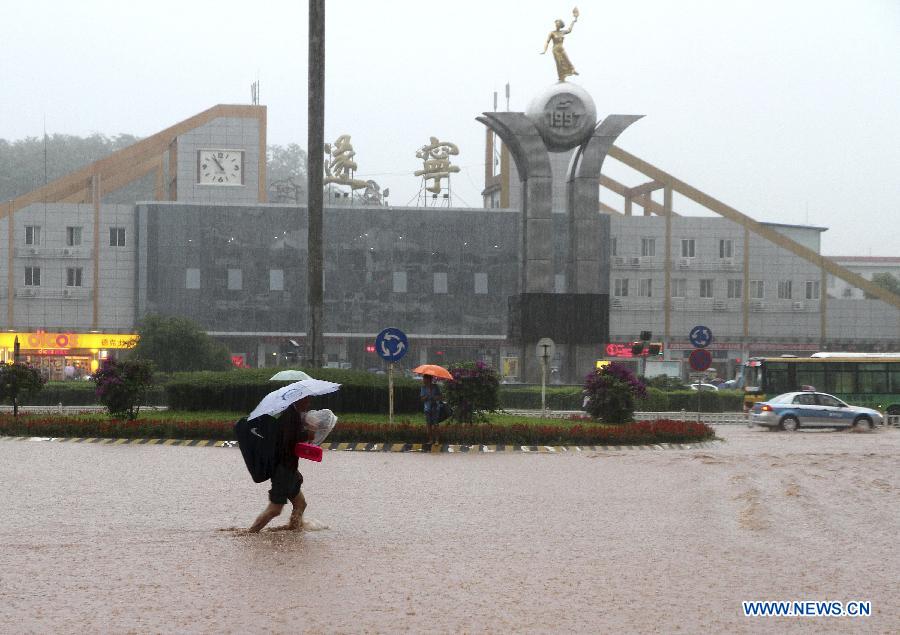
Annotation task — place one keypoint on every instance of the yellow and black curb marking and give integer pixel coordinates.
(392, 447)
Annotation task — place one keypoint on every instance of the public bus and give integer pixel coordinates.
(864, 379)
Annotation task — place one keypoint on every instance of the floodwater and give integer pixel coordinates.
(101, 538)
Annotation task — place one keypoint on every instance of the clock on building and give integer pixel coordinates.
(220, 167)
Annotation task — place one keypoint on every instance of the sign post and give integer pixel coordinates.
(391, 345)
(546, 349)
(700, 359)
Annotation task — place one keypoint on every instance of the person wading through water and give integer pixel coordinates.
(286, 478)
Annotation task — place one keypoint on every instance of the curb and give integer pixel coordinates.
(427, 448)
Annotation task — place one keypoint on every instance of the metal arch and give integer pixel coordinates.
(597, 146)
(523, 140)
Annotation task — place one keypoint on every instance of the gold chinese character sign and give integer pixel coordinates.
(564, 67)
(436, 159)
(340, 166)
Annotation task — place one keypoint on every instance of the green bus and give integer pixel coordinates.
(864, 379)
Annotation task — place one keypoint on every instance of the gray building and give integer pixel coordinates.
(214, 251)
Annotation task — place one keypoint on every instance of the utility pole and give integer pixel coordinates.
(315, 144)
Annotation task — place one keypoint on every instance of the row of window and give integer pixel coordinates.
(33, 276)
(73, 236)
(734, 288)
(235, 281)
(688, 247)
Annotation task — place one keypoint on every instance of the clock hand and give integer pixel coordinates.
(219, 164)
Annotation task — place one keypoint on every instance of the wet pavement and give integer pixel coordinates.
(103, 538)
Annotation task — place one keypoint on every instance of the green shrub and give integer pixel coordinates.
(473, 391)
(656, 401)
(19, 381)
(241, 389)
(529, 397)
(82, 393)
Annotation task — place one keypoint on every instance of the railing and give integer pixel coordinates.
(892, 420)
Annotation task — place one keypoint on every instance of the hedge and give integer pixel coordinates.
(81, 393)
(639, 433)
(242, 389)
(571, 398)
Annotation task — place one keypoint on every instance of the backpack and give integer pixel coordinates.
(444, 411)
(257, 441)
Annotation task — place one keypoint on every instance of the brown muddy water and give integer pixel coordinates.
(124, 539)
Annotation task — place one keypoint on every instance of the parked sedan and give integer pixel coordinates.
(794, 410)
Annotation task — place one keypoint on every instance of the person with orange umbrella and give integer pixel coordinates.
(430, 395)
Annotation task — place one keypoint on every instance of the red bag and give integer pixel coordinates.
(308, 451)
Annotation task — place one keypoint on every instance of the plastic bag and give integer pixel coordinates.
(321, 422)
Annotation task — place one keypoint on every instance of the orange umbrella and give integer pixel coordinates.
(434, 370)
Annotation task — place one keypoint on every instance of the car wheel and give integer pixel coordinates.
(791, 424)
(862, 423)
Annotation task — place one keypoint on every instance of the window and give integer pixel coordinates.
(679, 287)
(621, 287)
(276, 279)
(757, 289)
(116, 236)
(784, 289)
(73, 277)
(687, 248)
(192, 279)
(481, 283)
(32, 235)
(706, 288)
(726, 248)
(399, 282)
(32, 276)
(812, 289)
(440, 282)
(847, 292)
(645, 288)
(235, 280)
(73, 236)
(648, 246)
(614, 246)
(559, 283)
(735, 288)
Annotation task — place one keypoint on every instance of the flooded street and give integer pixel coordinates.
(102, 538)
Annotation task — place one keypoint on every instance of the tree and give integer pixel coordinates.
(18, 381)
(286, 174)
(178, 344)
(121, 386)
(611, 393)
(887, 281)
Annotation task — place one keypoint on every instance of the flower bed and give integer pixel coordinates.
(639, 433)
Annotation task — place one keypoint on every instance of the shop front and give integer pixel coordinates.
(61, 356)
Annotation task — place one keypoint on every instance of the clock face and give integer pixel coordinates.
(220, 167)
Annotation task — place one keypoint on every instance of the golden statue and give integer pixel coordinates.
(564, 67)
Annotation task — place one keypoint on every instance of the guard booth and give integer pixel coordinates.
(62, 356)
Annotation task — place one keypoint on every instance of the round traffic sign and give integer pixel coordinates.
(391, 344)
(701, 336)
(700, 359)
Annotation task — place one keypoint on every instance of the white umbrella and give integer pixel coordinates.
(278, 401)
(289, 375)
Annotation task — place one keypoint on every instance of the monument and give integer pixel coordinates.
(561, 118)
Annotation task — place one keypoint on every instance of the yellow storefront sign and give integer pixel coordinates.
(47, 340)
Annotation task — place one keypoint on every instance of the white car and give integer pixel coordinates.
(807, 409)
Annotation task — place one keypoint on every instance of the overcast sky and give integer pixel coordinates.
(788, 110)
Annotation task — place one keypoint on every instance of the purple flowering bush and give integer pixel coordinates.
(611, 393)
(122, 386)
(474, 391)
